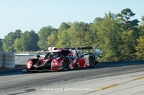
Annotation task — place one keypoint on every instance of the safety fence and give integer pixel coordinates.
(7, 59)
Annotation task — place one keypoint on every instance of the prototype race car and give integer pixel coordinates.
(64, 59)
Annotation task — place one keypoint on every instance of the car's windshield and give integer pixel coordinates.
(53, 54)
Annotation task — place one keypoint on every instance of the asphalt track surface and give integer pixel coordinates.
(15, 82)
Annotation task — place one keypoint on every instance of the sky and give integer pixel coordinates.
(29, 15)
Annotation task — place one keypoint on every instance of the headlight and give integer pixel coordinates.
(29, 64)
(55, 62)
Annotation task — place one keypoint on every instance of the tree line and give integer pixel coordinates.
(120, 37)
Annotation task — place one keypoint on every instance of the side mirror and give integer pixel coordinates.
(38, 56)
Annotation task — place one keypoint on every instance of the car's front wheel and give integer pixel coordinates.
(66, 65)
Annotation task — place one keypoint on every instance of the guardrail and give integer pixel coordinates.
(25, 54)
(7, 59)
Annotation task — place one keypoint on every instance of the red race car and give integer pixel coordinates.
(64, 59)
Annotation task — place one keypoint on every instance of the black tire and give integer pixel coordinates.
(66, 65)
(92, 60)
(96, 62)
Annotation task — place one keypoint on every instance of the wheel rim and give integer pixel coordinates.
(65, 66)
(91, 60)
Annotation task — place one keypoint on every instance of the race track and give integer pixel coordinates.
(104, 79)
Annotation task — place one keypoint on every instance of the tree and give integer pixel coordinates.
(28, 41)
(140, 48)
(74, 28)
(1, 49)
(63, 40)
(43, 35)
(63, 36)
(129, 33)
(18, 45)
(63, 26)
(126, 48)
(18, 33)
(125, 17)
(142, 18)
(106, 35)
(8, 41)
(94, 28)
(141, 27)
(76, 33)
(52, 39)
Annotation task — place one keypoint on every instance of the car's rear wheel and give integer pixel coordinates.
(91, 60)
(96, 62)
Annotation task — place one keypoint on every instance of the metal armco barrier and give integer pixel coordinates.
(9, 60)
(1, 59)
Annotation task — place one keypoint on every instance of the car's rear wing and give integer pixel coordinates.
(79, 48)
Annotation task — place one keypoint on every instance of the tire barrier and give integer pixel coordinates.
(1, 59)
(9, 60)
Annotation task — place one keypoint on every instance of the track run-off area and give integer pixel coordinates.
(123, 78)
